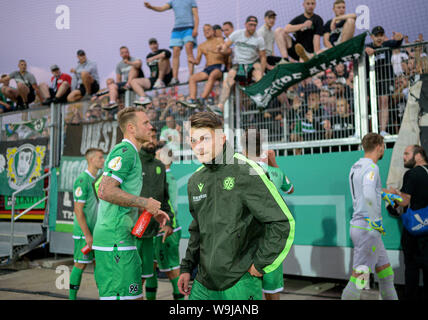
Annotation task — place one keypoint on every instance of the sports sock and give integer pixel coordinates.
(175, 292)
(152, 286)
(75, 279)
(351, 292)
(386, 284)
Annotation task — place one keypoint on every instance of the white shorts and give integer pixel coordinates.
(368, 249)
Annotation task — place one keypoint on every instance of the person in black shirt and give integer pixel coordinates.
(343, 123)
(307, 29)
(341, 28)
(159, 64)
(415, 194)
(384, 71)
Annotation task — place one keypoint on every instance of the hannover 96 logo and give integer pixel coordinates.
(229, 183)
(24, 164)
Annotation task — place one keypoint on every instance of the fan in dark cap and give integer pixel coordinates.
(378, 30)
(270, 13)
(384, 71)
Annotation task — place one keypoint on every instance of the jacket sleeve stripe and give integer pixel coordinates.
(271, 187)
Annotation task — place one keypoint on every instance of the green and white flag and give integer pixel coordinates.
(284, 76)
(37, 125)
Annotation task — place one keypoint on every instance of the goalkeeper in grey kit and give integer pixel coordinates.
(366, 225)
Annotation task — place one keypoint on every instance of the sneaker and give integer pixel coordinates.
(47, 102)
(111, 106)
(301, 52)
(158, 84)
(384, 134)
(143, 101)
(190, 103)
(216, 110)
(174, 82)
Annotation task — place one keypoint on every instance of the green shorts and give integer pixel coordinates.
(167, 254)
(247, 288)
(273, 282)
(78, 256)
(118, 274)
(145, 250)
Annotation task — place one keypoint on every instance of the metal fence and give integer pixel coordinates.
(332, 111)
(312, 116)
(391, 73)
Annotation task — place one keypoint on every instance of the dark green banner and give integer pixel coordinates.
(24, 203)
(284, 76)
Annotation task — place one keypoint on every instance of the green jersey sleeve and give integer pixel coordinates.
(286, 184)
(120, 162)
(80, 190)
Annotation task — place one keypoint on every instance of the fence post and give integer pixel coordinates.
(238, 129)
(228, 114)
(373, 95)
(362, 96)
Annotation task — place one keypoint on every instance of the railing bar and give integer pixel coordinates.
(27, 210)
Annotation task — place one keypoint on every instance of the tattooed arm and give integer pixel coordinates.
(109, 191)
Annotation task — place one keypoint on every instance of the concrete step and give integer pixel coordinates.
(21, 227)
(19, 238)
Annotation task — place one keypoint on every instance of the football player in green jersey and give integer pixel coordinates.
(118, 272)
(85, 216)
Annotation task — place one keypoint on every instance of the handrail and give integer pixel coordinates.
(38, 107)
(403, 46)
(12, 216)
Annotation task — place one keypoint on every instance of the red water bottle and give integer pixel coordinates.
(85, 250)
(142, 223)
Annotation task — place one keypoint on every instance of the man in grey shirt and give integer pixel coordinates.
(369, 252)
(127, 69)
(249, 60)
(268, 36)
(27, 87)
(86, 74)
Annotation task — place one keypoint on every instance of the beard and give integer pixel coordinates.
(151, 148)
(410, 164)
